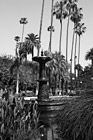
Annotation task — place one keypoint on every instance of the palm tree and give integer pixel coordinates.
(80, 30)
(68, 12)
(23, 21)
(43, 2)
(59, 11)
(73, 19)
(57, 68)
(60, 66)
(78, 17)
(32, 41)
(70, 5)
(28, 47)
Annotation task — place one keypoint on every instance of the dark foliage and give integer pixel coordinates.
(18, 120)
(75, 121)
(8, 73)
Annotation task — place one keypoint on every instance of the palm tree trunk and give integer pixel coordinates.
(43, 2)
(78, 60)
(60, 37)
(51, 26)
(49, 80)
(60, 30)
(22, 33)
(32, 51)
(55, 81)
(67, 45)
(67, 40)
(71, 58)
(17, 81)
(79, 50)
(25, 73)
(75, 59)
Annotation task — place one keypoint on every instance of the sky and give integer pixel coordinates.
(11, 11)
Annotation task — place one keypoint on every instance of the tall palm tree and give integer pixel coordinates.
(59, 10)
(70, 5)
(23, 21)
(41, 20)
(80, 30)
(78, 19)
(68, 12)
(74, 20)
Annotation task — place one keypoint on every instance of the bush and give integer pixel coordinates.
(75, 120)
(18, 120)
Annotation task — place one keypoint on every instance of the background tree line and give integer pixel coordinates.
(8, 74)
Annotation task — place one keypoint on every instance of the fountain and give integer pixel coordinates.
(43, 93)
(47, 106)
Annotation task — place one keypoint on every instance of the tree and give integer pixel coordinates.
(70, 5)
(58, 67)
(80, 30)
(59, 11)
(86, 77)
(78, 17)
(32, 41)
(28, 48)
(5, 78)
(89, 56)
(74, 20)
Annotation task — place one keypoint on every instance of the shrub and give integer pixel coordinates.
(18, 120)
(75, 120)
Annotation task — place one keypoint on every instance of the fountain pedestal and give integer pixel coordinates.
(47, 107)
(43, 93)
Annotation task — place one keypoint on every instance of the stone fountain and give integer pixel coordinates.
(43, 93)
(47, 106)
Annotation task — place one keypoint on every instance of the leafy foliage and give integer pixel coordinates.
(18, 120)
(89, 55)
(8, 73)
